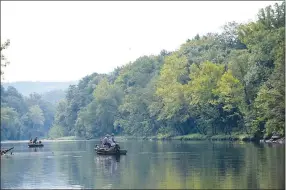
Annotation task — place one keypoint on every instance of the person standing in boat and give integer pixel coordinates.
(110, 141)
(112, 138)
(35, 140)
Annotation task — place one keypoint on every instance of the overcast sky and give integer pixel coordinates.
(62, 41)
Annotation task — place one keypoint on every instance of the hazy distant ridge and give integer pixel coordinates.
(28, 87)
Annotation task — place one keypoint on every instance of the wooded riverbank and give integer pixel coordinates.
(231, 82)
(199, 137)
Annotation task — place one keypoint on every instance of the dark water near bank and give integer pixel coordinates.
(148, 164)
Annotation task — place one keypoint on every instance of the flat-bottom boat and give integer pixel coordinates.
(109, 151)
(33, 145)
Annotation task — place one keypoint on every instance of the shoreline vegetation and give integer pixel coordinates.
(200, 137)
(67, 138)
(189, 137)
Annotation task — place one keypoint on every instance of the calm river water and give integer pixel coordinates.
(148, 164)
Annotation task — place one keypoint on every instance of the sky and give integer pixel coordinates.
(67, 40)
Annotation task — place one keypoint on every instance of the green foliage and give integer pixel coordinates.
(217, 84)
(76, 99)
(225, 84)
(36, 115)
(137, 81)
(56, 131)
(31, 115)
(170, 87)
(229, 92)
(201, 98)
(204, 80)
(194, 136)
(54, 96)
(266, 41)
(10, 123)
(107, 99)
(4, 61)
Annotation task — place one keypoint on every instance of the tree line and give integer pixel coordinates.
(24, 117)
(218, 83)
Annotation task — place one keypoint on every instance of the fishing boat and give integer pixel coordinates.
(33, 145)
(110, 151)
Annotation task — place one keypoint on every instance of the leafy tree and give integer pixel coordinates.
(231, 97)
(10, 124)
(4, 61)
(36, 115)
(56, 131)
(266, 40)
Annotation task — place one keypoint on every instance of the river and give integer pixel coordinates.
(148, 164)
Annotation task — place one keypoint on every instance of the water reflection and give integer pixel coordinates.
(107, 164)
(148, 164)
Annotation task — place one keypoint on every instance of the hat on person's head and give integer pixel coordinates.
(112, 134)
(107, 135)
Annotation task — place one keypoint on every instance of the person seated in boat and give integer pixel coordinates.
(40, 142)
(105, 141)
(112, 144)
(31, 140)
(112, 138)
(35, 140)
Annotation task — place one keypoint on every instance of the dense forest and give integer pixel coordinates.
(24, 117)
(231, 82)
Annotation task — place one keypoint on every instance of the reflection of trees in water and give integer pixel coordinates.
(73, 162)
(108, 171)
(232, 165)
(85, 170)
(227, 155)
(108, 165)
(24, 168)
(174, 165)
(216, 165)
(36, 149)
(66, 165)
(69, 146)
(69, 166)
(13, 170)
(199, 165)
(207, 158)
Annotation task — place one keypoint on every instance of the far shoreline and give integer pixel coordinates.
(190, 137)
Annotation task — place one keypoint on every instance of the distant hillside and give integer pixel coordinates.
(29, 87)
(54, 96)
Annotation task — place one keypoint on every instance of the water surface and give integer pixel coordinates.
(148, 164)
